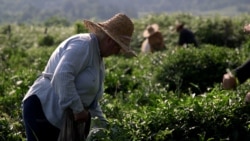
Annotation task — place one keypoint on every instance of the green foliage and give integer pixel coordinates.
(212, 116)
(56, 21)
(8, 132)
(80, 28)
(46, 40)
(221, 32)
(151, 97)
(196, 70)
(6, 29)
(28, 11)
(215, 30)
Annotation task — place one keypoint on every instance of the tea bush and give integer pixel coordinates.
(193, 70)
(217, 115)
(220, 32)
(46, 40)
(170, 95)
(80, 28)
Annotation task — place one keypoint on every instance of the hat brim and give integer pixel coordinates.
(93, 27)
(147, 34)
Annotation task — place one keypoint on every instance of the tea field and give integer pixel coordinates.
(172, 95)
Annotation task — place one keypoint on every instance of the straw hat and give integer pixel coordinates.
(120, 28)
(150, 30)
(179, 25)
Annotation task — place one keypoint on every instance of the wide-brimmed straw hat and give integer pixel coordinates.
(150, 30)
(179, 25)
(120, 28)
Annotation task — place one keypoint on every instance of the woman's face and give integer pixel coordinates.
(109, 47)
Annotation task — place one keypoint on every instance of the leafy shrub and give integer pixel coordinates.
(9, 133)
(6, 29)
(194, 70)
(216, 115)
(46, 40)
(119, 76)
(80, 28)
(220, 32)
(138, 102)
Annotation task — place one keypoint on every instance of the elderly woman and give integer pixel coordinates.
(73, 78)
(154, 39)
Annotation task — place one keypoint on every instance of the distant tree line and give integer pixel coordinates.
(28, 11)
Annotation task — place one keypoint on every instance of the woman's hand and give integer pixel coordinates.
(229, 81)
(82, 116)
(247, 98)
(247, 28)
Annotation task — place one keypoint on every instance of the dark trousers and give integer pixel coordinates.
(37, 127)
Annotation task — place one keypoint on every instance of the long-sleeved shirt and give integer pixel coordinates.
(73, 77)
(243, 72)
(187, 37)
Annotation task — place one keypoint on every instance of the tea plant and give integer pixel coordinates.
(170, 95)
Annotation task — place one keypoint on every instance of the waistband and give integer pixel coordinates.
(47, 75)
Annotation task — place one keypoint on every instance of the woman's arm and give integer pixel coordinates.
(73, 59)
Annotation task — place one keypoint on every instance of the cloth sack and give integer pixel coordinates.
(72, 130)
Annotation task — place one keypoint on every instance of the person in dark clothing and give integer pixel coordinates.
(239, 75)
(186, 36)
